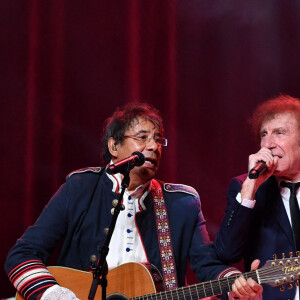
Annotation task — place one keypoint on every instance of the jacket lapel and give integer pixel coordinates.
(277, 209)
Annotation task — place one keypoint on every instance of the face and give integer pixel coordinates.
(151, 150)
(282, 136)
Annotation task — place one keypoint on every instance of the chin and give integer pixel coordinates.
(277, 172)
(148, 173)
(280, 173)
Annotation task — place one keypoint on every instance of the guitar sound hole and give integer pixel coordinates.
(117, 296)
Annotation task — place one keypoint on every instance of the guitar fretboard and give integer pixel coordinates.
(199, 290)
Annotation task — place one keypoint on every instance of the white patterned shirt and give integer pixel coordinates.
(126, 244)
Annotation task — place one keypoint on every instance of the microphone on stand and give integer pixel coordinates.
(136, 159)
(257, 170)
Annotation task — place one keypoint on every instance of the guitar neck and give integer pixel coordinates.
(200, 290)
(142, 281)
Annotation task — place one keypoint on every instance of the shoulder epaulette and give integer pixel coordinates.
(85, 170)
(172, 187)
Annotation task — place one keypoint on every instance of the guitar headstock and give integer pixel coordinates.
(281, 271)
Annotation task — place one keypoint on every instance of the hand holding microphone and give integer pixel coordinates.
(265, 160)
(261, 166)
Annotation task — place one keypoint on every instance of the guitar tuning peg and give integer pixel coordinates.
(283, 255)
(275, 256)
(284, 279)
(273, 264)
(282, 288)
(291, 254)
(289, 286)
(298, 253)
(112, 211)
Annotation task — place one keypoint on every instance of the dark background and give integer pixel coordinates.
(66, 65)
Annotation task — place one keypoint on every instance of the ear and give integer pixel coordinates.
(112, 147)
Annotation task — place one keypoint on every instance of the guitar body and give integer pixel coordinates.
(126, 281)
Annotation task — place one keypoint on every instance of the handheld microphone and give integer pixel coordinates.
(257, 170)
(136, 159)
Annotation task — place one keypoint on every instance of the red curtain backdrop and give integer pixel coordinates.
(66, 65)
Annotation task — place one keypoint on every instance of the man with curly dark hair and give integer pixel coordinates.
(162, 223)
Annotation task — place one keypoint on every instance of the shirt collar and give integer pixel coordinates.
(284, 190)
(139, 193)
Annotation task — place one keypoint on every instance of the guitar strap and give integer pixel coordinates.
(164, 236)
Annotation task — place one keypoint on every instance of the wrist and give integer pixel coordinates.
(249, 188)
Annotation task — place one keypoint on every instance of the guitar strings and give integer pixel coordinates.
(266, 275)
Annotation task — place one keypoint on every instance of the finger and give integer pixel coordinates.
(244, 287)
(267, 157)
(232, 296)
(235, 292)
(261, 156)
(256, 288)
(276, 159)
(265, 151)
(255, 264)
(239, 284)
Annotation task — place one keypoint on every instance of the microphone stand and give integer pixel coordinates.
(101, 270)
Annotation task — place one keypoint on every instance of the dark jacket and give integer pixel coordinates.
(81, 209)
(254, 233)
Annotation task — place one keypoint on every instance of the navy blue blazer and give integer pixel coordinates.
(256, 233)
(80, 210)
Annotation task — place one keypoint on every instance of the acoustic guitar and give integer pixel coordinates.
(143, 281)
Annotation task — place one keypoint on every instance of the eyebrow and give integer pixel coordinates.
(143, 131)
(273, 130)
(147, 131)
(280, 128)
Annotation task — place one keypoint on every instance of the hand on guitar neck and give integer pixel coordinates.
(241, 286)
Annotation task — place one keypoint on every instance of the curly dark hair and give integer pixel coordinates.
(269, 109)
(122, 119)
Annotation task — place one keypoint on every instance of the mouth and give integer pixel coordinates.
(277, 156)
(150, 161)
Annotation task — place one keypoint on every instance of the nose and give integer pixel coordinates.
(152, 145)
(268, 142)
